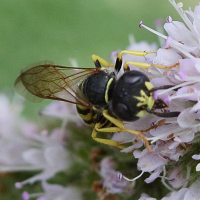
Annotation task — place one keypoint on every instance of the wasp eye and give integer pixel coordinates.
(122, 111)
(131, 79)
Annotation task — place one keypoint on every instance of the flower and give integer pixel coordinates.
(24, 148)
(174, 141)
(183, 194)
(54, 192)
(62, 110)
(40, 152)
(110, 181)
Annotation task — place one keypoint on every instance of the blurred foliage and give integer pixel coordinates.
(37, 30)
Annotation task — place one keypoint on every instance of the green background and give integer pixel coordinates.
(37, 30)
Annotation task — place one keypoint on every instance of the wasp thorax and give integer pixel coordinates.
(95, 88)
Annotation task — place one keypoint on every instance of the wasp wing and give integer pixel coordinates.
(49, 81)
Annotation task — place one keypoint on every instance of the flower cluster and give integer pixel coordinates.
(25, 147)
(175, 141)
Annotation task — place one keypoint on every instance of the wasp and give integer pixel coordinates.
(102, 100)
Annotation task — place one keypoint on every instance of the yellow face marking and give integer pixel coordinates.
(144, 99)
(142, 113)
(107, 89)
(149, 85)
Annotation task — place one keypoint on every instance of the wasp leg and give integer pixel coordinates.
(146, 65)
(120, 128)
(98, 61)
(105, 141)
(118, 63)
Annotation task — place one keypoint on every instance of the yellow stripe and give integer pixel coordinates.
(86, 117)
(107, 89)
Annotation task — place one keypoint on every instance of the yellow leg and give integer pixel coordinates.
(119, 128)
(105, 141)
(100, 60)
(118, 63)
(135, 53)
(146, 65)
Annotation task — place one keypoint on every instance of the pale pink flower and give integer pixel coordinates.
(54, 192)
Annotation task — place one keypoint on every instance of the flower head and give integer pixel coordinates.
(173, 141)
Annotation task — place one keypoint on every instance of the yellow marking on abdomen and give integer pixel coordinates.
(88, 115)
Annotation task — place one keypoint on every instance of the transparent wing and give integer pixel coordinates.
(49, 81)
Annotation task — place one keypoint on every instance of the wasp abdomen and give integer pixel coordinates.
(88, 115)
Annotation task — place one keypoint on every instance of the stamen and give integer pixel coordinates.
(141, 25)
(18, 185)
(180, 5)
(175, 87)
(25, 195)
(169, 19)
(173, 44)
(30, 180)
(183, 95)
(183, 15)
(120, 176)
(167, 99)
